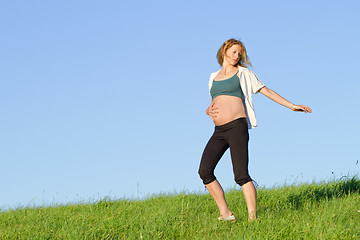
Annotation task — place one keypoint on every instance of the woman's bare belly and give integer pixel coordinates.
(229, 108)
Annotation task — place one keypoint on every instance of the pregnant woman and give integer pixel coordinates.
(232, 112)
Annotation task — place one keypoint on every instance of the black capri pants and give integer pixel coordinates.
(234, 135)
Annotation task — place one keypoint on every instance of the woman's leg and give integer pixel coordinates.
(250, 199)
(217, 193)
(238, 141)
(212, 154)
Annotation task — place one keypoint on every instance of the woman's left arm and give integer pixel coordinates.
(280, 100)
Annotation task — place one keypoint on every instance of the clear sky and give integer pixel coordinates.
(108, 98)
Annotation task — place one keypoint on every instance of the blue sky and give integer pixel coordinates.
(108, 98)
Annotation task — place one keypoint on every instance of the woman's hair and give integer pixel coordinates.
(244, 59)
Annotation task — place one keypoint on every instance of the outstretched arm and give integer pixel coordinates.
(280, 100)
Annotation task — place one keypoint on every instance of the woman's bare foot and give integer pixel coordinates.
(252, 216)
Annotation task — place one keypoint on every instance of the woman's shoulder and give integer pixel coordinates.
(213, 75)
(244, 69)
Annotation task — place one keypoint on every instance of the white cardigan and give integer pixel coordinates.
(249, 83)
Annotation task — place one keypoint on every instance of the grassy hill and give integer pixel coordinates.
(326, 210)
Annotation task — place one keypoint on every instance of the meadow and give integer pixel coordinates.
(326, 210)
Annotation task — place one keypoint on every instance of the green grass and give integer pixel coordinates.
(327, 210)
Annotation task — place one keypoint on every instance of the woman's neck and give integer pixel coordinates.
(226, 68)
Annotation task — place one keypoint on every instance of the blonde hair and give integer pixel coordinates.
(244, 59)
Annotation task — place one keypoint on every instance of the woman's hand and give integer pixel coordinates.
(212, 111)
(301, 108)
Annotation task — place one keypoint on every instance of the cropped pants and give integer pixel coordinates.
(234, 135)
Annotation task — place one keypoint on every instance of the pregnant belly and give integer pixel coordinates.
(229, 108)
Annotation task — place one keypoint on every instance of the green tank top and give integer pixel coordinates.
(230, 86)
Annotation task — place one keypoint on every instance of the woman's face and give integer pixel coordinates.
(232, 55)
